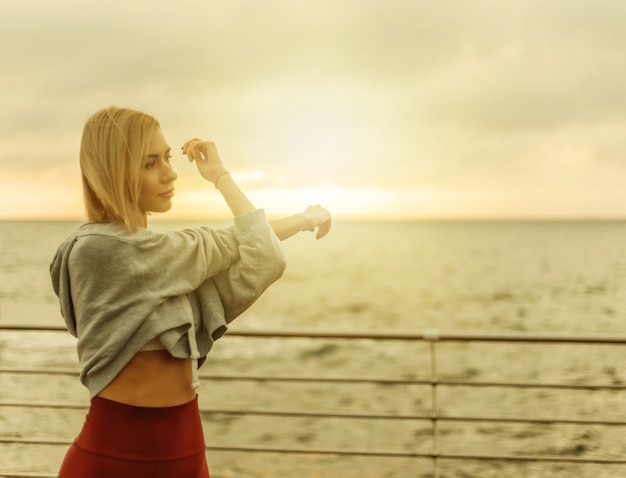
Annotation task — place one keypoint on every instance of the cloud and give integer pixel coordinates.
(554, 63)
(486, 64)
(366, 95)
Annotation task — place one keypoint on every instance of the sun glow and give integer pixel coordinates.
(343, 202)
(277, 201)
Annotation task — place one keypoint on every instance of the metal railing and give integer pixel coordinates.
(434, 382)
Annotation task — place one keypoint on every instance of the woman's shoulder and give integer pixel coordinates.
(93, 240)
(97, 241)
(109, 233)
(108, 229)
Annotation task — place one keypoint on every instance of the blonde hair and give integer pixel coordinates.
(112, 148)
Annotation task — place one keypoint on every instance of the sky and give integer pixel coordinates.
(394, 109)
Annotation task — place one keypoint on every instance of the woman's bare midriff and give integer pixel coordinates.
(152, 379)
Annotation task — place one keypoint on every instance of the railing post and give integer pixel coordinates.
(432, 336)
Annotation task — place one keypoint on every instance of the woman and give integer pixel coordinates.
(147, 307)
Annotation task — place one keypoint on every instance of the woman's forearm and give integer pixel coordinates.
(313, 217)
(237, 201)
(286, 227)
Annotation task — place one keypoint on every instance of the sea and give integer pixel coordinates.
(539, 277)
(467, 275)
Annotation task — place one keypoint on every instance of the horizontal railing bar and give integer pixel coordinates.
(352, 416)
(424, 382)
(428, 335)
(408, 454)
(335, 451)
(28, 475)
(435, 335)
(534, 458)
(555, 386)
(32, 327)
(53, 405)
(371, 453)
(336, 380)
(536, 421)
(34, 441)
(224, 411)
(295, 414)
(321, 451)
(40, 371)
(346, 380)
(440, 418)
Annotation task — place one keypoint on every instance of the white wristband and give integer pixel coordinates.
(219, 177)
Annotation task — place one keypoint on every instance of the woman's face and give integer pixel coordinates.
(157, 176)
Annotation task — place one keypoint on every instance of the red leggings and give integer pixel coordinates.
(124, 441)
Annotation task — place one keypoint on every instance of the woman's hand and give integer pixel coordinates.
(318, 217)
(207, 159)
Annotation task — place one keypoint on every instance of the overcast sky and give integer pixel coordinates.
(374, 108)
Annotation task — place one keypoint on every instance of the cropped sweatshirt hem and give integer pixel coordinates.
(118, 289)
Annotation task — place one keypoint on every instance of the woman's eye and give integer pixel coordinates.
(150, 164)
(168, 158)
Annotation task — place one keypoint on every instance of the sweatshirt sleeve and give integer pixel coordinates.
(244, 260)
(178, 262)
(153, 267)
(146, 268)
(261, 263)
(221, 298)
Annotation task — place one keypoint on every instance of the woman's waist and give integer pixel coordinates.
(152, 379)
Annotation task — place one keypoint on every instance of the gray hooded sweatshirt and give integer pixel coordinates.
(119, 289)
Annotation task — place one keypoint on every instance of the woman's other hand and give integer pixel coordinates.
(206, 157)
(318, 217)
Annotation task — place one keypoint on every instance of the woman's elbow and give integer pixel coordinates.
(280, 263)
(283, 264)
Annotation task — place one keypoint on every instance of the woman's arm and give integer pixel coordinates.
(237, 201)
(312, 217)
(210, 166)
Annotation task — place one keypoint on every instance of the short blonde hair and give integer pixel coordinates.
(112, 148)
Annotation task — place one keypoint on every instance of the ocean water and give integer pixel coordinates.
(563, 277)
(504, 276)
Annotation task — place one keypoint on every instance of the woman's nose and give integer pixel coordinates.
(169, 174)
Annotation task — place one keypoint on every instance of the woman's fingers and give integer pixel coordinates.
(320, 218)
(324, 227)
(197, 149)
(323, 230)
(190, 148)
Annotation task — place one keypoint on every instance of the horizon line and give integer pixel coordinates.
(351, 218)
